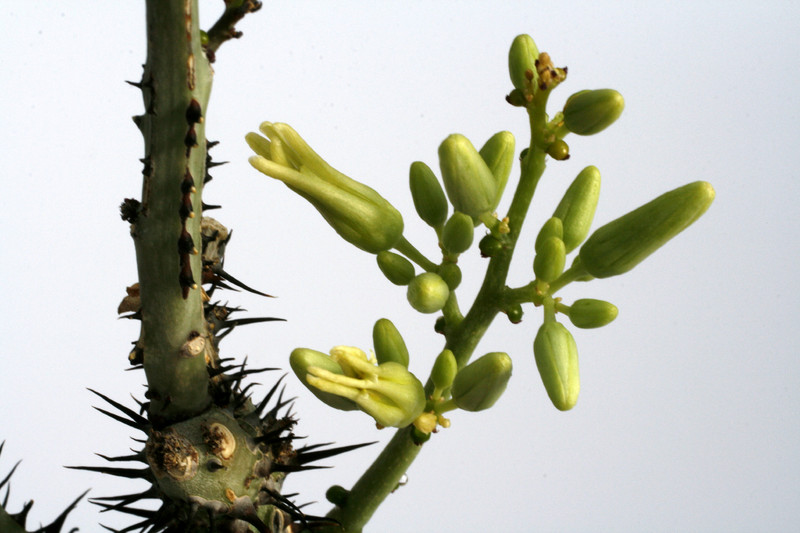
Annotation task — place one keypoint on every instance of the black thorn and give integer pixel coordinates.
(134, 457)
(193, 112)
(263, 404)
(58, 523)
(212, 164)
(130, 473)
(207, 207)
(133, 415)
(238, 283)
(304, 455)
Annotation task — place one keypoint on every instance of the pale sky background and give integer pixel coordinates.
(689, 413)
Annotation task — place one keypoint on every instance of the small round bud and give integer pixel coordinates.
(489, 246)
(558, 150)
(427, 293)
(514, 313)
(396, 268)
(458, 233)
(337, 495)
(451, 274)
(589, 313)
(440, 325)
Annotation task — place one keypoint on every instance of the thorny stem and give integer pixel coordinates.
(383, 475)
(176, 78)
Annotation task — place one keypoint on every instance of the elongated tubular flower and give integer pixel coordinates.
(358, 213)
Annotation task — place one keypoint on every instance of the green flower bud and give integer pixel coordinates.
(577, 207)
(395, 267)
(590, 112)
(389, 344)
(514, 313)
(480, 384)
(550, 260)
(427, 193)
(498, 154)
(451, 274)
(444, 371)
(359, 215)
(458, 233)
(469, 183)
(557, 360)
(558, 150)
(522, 63)
(302, 358)
(588, 313)
(625, 242)
(552, 228)
(489, 246)
(388, 392)
(337, 495)
(428, 292)
(517, 98)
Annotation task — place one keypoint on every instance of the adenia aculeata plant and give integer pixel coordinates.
(214, 456)
(472, 183)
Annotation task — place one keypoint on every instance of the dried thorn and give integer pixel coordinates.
(5, 480)
(211, 144)
(207, 207)
(143, 513)
(212, 164)
(136, 84)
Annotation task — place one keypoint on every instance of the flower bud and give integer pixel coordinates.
(557, 360)
(623, 243)
(427, 193)
(359, 215)
(458, 233)
(522, 63)
(444, 371)
(552, 228)
(558, 150)
(498, 154)
(389, 344)
(428, 292)
(577, 206)
(388, 392)
(514, 313)
(490, 246)
(451, 274)
(590, 112)
(469, 183)
(480, 384)
(589, 313)
(550, 260)
(302, 358)
(395, 267)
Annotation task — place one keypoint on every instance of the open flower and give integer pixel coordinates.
(359, 214)
(387, 392)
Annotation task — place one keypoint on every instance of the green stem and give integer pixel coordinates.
(383, 475)
(379, 480)
(176, 84)
(408, 250)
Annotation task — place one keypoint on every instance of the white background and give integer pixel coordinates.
(688, 416)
